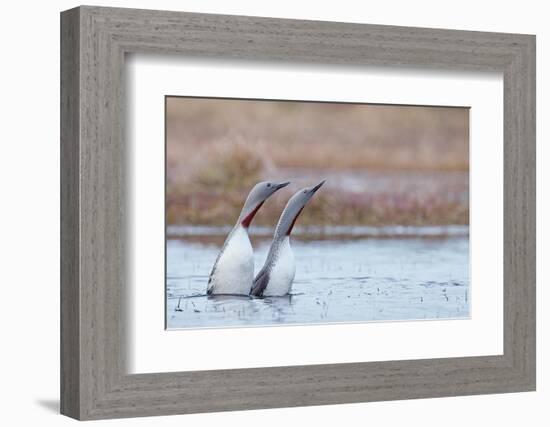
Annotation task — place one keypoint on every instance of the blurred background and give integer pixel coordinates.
(384, 165)
(386, 238)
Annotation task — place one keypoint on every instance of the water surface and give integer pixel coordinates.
(357, 278)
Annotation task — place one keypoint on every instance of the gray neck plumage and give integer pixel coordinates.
(291, 212)
(282, 231)
(248, 212)
(287, 221)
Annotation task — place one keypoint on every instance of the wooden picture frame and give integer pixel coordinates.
(94, 382)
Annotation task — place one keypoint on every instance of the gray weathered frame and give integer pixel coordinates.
(94, 41)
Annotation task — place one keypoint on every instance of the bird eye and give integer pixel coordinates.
(305, 191)
(269, 185)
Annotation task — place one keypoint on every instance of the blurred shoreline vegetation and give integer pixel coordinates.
(385, 165)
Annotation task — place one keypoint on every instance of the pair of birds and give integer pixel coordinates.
(233, 271)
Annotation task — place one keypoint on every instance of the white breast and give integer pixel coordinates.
(282, 271)
(234, 271)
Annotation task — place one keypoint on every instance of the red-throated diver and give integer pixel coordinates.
(277, 274)
(233, 270)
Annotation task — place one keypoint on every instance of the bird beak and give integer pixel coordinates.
(314, 189)
(281, 185)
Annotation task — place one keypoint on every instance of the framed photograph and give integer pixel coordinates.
(374, 197)
(261, 213)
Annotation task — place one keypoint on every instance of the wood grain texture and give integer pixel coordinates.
(94, 270)
(70, 221)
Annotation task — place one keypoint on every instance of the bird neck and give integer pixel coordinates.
(286, 223)
(248, 214)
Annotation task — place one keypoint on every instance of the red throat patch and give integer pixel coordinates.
(294, 222)
(248, 219)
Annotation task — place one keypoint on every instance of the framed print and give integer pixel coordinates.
(261, 213)
(338, 271)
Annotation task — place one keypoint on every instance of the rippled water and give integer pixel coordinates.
(337, 280)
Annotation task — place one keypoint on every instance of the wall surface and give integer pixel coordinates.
(29, 225)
